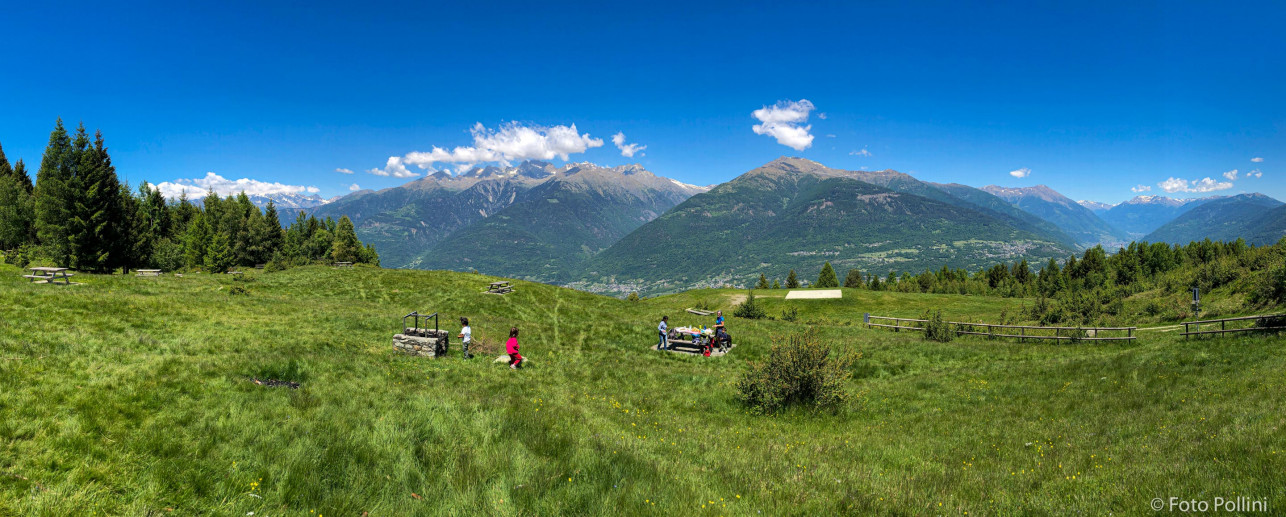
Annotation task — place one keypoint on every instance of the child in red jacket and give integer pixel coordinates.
(511, 346)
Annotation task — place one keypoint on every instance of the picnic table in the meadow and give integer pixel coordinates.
(501, 287)
(148, 272)
(48, 275)
(343, 264)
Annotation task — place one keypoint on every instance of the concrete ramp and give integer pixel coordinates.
(814, 295)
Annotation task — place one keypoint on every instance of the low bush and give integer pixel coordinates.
(935, 329)
(800, 371)
(791, 314)
(749, 309)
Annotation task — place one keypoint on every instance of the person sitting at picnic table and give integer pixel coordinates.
(663, 344)
(722, 339)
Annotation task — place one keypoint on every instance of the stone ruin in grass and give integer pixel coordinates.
(421, 341)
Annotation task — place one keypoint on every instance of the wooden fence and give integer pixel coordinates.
(1262, 323)
(1020, 332)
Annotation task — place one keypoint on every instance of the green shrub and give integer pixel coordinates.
(935, 329)
(791, 314)
(238, 290)
(800, 370)
(749, 309)
(633, 297)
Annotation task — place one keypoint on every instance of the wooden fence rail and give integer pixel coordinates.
(1007, 331)
(1263, 323)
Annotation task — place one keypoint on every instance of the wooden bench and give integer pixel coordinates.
(233, 273)
(260, 266)
(148, 272)
(343, 264)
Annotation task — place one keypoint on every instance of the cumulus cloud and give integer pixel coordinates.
(863, 152)
(354, 188)
(1254, 174)
(342, 170)
(821, 115)
(627, 150)
(1174, 185)
(1021, 173)
(1257, 159)
(783, 122)
(222, 186)
(395, 168)
(1231, 175)
(1141, 188)
(510, 142)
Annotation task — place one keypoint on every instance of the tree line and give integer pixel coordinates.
(78, 214)
(1088, 288)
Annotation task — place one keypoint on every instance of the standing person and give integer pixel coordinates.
(663, 328)
(466, 336)
(511, 346)
(718, 322)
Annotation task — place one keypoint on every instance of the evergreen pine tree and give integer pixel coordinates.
(219, 257)
(763, 282)
(53, 180)
(775, 285)
(5, 168)
(17, 214)
(853, 279)
(20, 172)
(196, 241)
(792, 281)
(97, 241)
(347, 248)
(827, 278)
(275, 236)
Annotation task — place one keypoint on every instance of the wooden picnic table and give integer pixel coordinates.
(148, 272)
(48, 275)
(343, 264)
(500, 287)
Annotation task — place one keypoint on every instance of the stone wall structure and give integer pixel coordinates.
(422, 342)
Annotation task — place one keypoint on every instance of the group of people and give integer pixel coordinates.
(719, 338)
(511, 346)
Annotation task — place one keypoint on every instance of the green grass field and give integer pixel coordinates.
(129, 395)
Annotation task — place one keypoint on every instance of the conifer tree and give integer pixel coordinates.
(17, 213)
(792, 281)
(275, 235)
(53, 181)
(5, 168)
(775, 285)
(97, 242)
(196, 240)
(763, 282)
(20, 172)
(827, 278)
(853, 279)
(347, 248)
(219, 257)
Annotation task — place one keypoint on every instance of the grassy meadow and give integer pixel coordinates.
(130, 396)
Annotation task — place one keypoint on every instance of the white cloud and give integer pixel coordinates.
(1174, 185)
(1254, 174)
(395, 168)
(830, 135)
(198, 187)
(821, 115)
(627, 150)
(863, 152)
(1141, 188)
(342, 170)
(1021, 173)
(511, 142)
(1257, 159)
(354, 188)
(782, 121)
(1231, 175)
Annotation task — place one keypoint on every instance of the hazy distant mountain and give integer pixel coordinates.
(1144, 214)
(554, 227)
(1268, 228)
(796, 213)
(1224, 219)
(406, 222)
(1095, 206)
(1076, 220)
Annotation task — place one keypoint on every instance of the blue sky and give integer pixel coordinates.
(1094, 99)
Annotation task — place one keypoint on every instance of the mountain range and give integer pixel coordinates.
(794, 213)
(533, 220)
(622, 229)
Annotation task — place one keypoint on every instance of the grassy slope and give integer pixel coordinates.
(126, 395)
